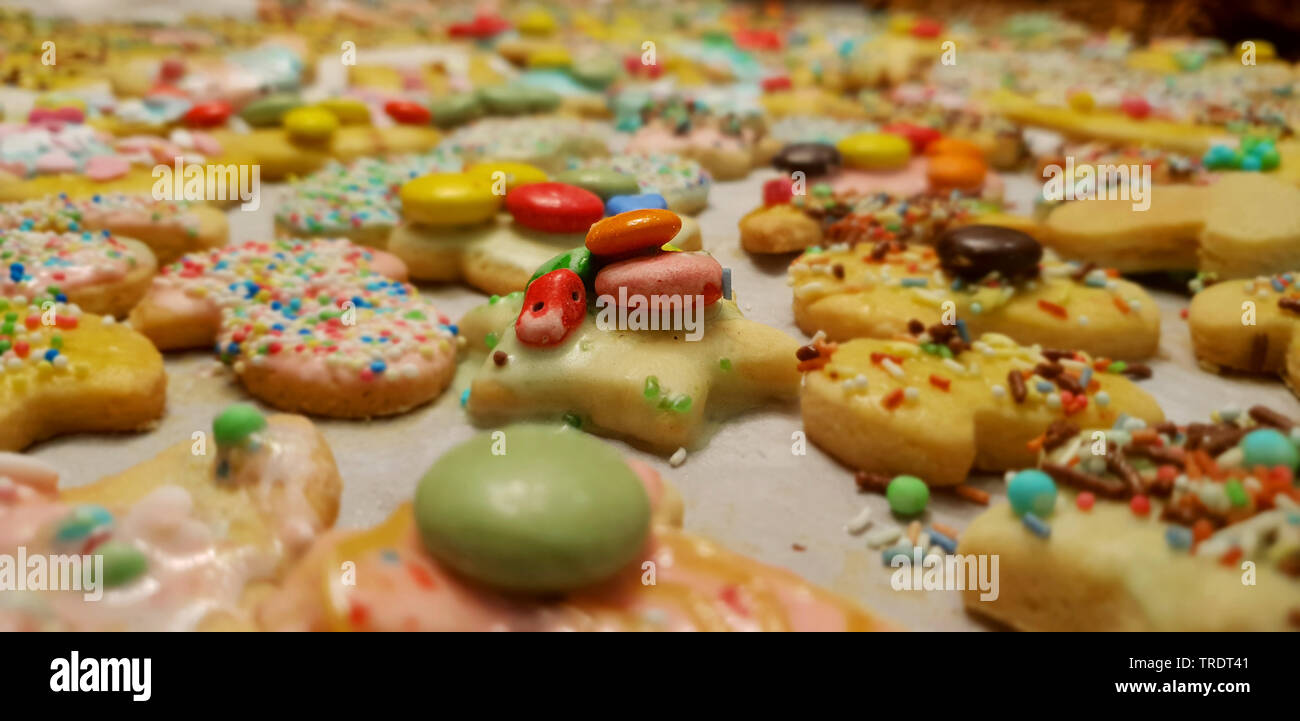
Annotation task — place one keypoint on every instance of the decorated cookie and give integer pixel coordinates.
(454, 228)
(937, 411)
(317, 326)
(1137, 527)
(169, 229)
(683, 183)
(574, 560)
(653, 335)
(983, 278)
(185, 541)
(728, 145)
(99, 272)
(1248, 325)
(358, 200)
(548, 142)
(63, 370)
(1243, 225)
(311, 136)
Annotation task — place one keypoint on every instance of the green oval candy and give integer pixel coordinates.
(517, 99)
(236, 423)
(596, 72)
(454, 109)
(604, 182)
(577, 260)
(123, 562)
(552, 510)
(541, 100)
(267, 111)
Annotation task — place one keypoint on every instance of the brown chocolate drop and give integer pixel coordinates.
(971, 252)
(811, 159)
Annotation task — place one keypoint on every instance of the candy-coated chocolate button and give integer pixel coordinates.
(875, 151)
(207, 115)
(971, 252)
(407, 112)
(454, 109)
(1081, 101)
(920, 136)
(949, 172)
(234, 425)
(625, 203)
(549, 57)
(577, 260)
(953, 146)
(349, 111)
(633, 231)
(536, 22)
(513, 174)
(811, 159)
(310, 124)
(554, 207)
(604, 182)
(556, 511)
(596, 72)
(518, 98)
(554, 304)
(449, 199)
(270, 110)
(688, 276)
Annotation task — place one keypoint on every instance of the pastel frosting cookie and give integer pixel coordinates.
(317, 326)
(578, 558)
(1248, 325)
(169, 228)
(1139, 527)
(454, 229)
(99, 272)
(548, 142)
(938, 411)
(182, 541)
(66, 371)
(988, 279)
(357, 200)
(1243, 225)
(683, 183)
(610, 368)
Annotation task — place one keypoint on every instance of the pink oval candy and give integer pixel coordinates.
(665, 274)
(107, 167)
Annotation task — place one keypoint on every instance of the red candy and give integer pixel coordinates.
(918, 135)
(778, 191)
(407, 112)
(208, 115)
(1140, 505)
(775, 83)
(484, 25)
(635, 67)
(171, 70)
(927, 28)
(554, 304)
(554, 207)
(1135, 106)
(1085, 501)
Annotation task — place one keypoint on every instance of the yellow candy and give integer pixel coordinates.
(449, 199)
(515, 174)
(536, 22)
(349, 111)
(875, 151)
(1081, 101)
(901, 23)
(550, 57)
(310, 124)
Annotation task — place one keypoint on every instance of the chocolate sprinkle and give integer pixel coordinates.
(1016, 384)
(867, 481)
(1103, 487)
(1137, 371)
(915, 327)
(1290, 303)
(1117, 463)
(806, 353)
(1266, 416)
(1058, 433)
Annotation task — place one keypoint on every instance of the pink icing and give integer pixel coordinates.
(107, 167)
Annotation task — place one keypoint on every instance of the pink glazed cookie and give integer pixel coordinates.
(316, 326)
(99, 272)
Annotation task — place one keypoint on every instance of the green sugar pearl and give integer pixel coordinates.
(123, 563)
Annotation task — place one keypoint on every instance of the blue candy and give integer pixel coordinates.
(623, 203)
(1032, 491)
(1269, 447)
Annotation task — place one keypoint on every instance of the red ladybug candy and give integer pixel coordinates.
(208, 115)
(554, 305)
(407, 112)
(554, 207)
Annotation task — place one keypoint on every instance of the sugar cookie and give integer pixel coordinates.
(316, 326)
(1151, 529)
(1248, 325)
(916, 407)
(187, 540)
(66, 371)
(584, 547)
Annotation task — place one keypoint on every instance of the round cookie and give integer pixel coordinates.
(683, 183)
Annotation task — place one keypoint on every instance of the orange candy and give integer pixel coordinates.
(955, 172)
(633, 231)
(954, 146)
